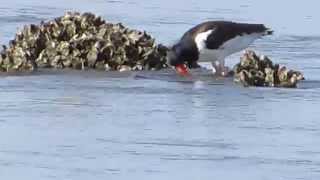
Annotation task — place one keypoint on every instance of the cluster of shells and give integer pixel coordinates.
(261, 71)
(81, 41)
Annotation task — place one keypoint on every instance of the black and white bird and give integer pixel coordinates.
(213, 41)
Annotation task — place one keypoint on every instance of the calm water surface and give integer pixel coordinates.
(89, 125)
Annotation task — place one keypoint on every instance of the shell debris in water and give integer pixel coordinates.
(198, 84)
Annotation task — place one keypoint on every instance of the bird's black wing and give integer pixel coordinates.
(225, 31)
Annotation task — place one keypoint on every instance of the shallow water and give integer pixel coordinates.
(96, 125)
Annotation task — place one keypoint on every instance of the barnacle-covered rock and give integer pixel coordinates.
(260, 71)
(82, 41)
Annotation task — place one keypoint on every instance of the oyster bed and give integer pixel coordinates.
(261, 71)
(81, 41)
(86, 41)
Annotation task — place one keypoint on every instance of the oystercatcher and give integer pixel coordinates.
(213, 41)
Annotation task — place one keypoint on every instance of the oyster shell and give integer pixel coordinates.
(260, 71)
(82, 41)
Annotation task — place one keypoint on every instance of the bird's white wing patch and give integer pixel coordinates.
(201, 38)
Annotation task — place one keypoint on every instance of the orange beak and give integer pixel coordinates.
(182, 70)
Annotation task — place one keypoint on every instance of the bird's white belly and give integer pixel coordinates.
(229, 47)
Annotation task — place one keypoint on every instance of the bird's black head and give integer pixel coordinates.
(174, 56)
(175, 59)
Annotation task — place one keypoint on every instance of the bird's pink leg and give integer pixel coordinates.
(220, 68)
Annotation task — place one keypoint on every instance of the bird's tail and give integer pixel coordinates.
(268, 31)
(255, 28)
